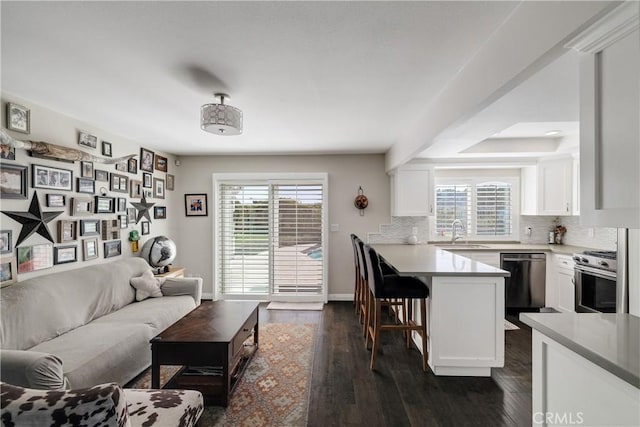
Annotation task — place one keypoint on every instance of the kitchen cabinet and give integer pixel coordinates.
(610, 119)
(412, 190)
(560, 288)
(548, 187)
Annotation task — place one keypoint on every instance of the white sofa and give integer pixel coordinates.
(83, 327)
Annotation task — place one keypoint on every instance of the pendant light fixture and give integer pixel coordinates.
(221, 119)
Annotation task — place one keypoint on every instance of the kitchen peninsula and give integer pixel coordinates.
(465, 310)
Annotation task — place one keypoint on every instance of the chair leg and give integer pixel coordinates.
(376, 331)
(423, 321)
(356, 292)
(407, 319)
(367, 314)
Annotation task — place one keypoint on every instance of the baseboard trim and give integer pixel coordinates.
(340, 297)
(207, 296)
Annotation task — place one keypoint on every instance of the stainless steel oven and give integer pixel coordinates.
(595, 290)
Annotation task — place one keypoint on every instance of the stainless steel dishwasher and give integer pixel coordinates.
(525, 288)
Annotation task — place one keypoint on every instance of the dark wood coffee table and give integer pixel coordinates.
(209, 344)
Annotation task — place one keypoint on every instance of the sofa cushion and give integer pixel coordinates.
(146, 286)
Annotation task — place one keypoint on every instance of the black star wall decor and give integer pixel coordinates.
(143, 209)
(33, 221)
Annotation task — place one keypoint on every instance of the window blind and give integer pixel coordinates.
(452, 202)
(493, 209)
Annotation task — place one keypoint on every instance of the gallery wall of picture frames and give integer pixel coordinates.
(80, 196)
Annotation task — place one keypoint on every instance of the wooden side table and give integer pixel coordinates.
(173, 272)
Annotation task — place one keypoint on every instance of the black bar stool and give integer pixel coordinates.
(358, 284)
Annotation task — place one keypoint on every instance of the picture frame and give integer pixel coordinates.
(112, 248)
(121, 166)
(119, 183)
(89, 227)
(135, 188)
(195, 204)
(18, 118)
(81, 206)
(55, 200)
(107, 149)
(67, 231)
(102, 176)
(65, 254)
(132, 166)
(147, 193)
(7, 152)
(51, 178)
(132, 214)
(160, 163)
(86, 169)
(144, 228)
(105, 204)
(34, 258)
(13, 181)
(147, 180)
(159, 212)
(90, 249)
(6, 241)
(146, 160)
(122, 204)
(86, 185)
(124, 223)
(158, 188)
(87, 140)
(171, 180)
(8, 271)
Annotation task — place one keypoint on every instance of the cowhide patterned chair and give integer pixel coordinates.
(102, 405)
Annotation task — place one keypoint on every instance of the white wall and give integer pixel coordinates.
(194, 235)
(53, 127)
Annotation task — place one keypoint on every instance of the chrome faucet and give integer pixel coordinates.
(454, 234)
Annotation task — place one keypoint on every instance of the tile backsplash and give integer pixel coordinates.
(576, 235)
(400, 229)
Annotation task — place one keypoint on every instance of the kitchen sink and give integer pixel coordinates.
(462, 246)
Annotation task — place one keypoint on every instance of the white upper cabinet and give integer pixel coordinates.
(610, 119)
(548, 187)
(412, 190)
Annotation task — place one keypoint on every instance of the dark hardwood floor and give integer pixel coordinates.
(345, 392)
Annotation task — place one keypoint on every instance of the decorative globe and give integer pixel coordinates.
(159, 251)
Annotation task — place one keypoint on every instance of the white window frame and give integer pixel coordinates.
(272, 178)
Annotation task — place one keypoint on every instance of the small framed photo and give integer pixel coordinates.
(86, 169)
(132, 215)
(122, 204)
(106, 149)
(87, 140)
(171, 180)
(160, 163)
(119, 183)
(33, 258)
(124, 223)
(18, 118)
(159, 212)
(121, 166)
(112, 249)
(195, 204)
(89, 227)
(147, 194)
(81, 206)
(90, 249)
(8, 271)
(146, 160)
(132, 166)
(67, 231)
(13, 181)
(65, 254)
(146, 180)
(56, 200)
(51, 178)
(135, 188)
(158, 188)
(145, 227)
(7, 152)
(86, 185)
(6, 242)
(105, 204)
(102, 176)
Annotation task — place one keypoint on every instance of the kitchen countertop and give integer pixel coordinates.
(512, 247)
(610, 341)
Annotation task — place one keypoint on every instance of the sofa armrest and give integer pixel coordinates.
(32, 369)
(191, 286)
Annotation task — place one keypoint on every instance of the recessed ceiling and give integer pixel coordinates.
(310, 77)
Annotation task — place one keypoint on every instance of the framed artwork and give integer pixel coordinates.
(18, 118)
(86, 169)
(106, 149)
(90, 249)
(33, 258)
(56, 200)
(67, 231)
(87, 140)
(112, 249)
(8, 271)
(146, 160)
(7, 152)
(160, 163)
(121, 166)
(122, 204)
(145, 227)
(124, 223)
(6, 242)
(132, 166)
(65, 254)
(13, 181)
(132, 215)
(147, 194)
(171, 180)
(89, 227)
(51, 178)
(86, 185)
(195, 205)
(119, 183)
(159, 212)
(102, 176)
(135, 188)
(105, 204)
(81, 206)
(158, 188)
(146, 180)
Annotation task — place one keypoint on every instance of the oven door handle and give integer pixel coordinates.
(595, 272)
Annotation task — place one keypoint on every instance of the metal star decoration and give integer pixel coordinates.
(33, 221)
(143, 209)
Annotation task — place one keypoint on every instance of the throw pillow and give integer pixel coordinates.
(146, 286)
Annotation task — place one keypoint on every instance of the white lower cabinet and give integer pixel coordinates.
(560, 288)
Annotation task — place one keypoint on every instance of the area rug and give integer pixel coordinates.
(275, 305)
(274, 390)
(508, 326)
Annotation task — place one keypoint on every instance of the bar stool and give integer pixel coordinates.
(357, 288)
(394, 286)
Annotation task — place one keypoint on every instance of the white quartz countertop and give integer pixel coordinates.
(510, 247)
(610, 341)
(429, 260)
